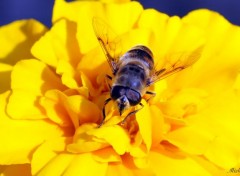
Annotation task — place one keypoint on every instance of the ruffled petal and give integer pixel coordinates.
(56, 101)
(69, 110)
(17, 39)
(13, 170)
(106, 155)
(30, 79)
(20, 138)
(83, 142)
(68, 74)
(145, 125)
(170, 35)
(53, 103)
(82, 12)
(191, 139)
(47, 157)
(5, 73)
(86, 162)
(89, 138)
(109, 134)
(159, 128)
(58, 44)
(220, 57)
(57, 165)
(127, 167)
(223, 113)
(166, 163)
(81, 110)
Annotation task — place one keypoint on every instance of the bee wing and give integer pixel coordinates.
(109, 41)
(182, 61)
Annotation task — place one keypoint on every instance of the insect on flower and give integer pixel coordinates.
(134, 71)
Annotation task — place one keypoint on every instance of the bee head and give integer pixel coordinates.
(122, 103)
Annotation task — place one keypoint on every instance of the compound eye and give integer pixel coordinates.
(117, 91)
(133, 96)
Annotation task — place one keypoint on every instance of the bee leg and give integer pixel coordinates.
(131, 113)
(107, 80)
(103, 111)
(152, 94)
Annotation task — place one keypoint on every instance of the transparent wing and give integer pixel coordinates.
(109, 41)
(176, 63)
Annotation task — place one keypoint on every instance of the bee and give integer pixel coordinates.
(134, 71)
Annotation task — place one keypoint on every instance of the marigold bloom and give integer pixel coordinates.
(49, 117)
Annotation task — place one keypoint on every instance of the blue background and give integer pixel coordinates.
(41, 10)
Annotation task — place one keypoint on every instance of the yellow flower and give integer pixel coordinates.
(16, 41)
(49, 118)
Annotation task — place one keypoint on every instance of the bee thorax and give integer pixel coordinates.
(139, 53)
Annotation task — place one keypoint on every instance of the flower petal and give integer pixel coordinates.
(97, 67)
(191, 139)
(165, 163)
(47, 155)
(184, 103)
(220, 57)
(68, 110)
(30, 79)
(5, 72)
(106, 155)
(20, 138)
(68, 73)
(223, 152)
(81, 110)
(158, 125)
(53, 103)
(109, 133)
(143, 118)
(83, 142)
(135, 37)
(223, 113)
(5, 67)
(93, 138)
(58, 44)
(13, 170)
(82, 164)
(118, 170)
(216, 144)
(170, 34)
(17, 38)
(57, 165)
(124, 10)
(82, 12)
(127, 167)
